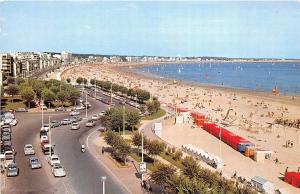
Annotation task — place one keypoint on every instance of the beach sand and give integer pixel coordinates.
(250, 115)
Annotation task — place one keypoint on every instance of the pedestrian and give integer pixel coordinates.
(102, 150)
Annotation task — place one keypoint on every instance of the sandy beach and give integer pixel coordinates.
(250, 114)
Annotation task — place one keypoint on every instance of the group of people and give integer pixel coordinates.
(288, 122)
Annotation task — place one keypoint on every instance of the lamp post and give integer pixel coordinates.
(86, 105)
(123, 120)
(50, 135)
(103, 178)
(142, 176)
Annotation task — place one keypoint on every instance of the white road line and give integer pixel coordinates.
(111, 173)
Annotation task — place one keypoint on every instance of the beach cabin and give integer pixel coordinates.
(262, 185)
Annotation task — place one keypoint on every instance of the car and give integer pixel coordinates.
(53, 159)
(5, 128)
(95, 117)
(44, 137)
(55, 123)
(60, 109)
(43, 107)
(46, 149)
(14, 122)
(101, 113)
(9, 157)
(6, 146)
(90, 123)
(58, 170)
(122, 102)
(45, 127)
(66, 121)
(102, 129)
(21, 110)
(79, 107)
(76, 119)
(34, 162)
(75, 126)
(28, 150)
(74, 113)
(98, 98)
(43, 132)
(6, 137)
(12, 170)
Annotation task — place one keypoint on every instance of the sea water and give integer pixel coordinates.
(249, 75)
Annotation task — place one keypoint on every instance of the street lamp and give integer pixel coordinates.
(103, 178)
(86, 104)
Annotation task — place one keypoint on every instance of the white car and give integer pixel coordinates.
(28, 150)
(53, 159)
(45, 127)
(58, 170)
(74, 113)
(79, 107)
(66, 121)
(34, 162)
(90, 123)
(75, 126)
(43, 107)
(14, 122)
(95, 117)
(101, 113)
(44, 138)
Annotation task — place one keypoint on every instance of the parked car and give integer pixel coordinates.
(5, 136)
(9, 157)
(43, 107)
(75, 126)
(74, 113)
(98, 98)
(6, 128)
(55, 123)
(58, 170)
(53, 159)
(28, 150)
(95, 117)
(90, 123)
(34, 162)
(12, 170)
(14, 122)
(60, 109)
(21, 110)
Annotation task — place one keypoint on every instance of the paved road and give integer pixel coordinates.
(83, 171)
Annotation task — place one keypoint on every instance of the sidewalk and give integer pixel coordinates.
(127, 175)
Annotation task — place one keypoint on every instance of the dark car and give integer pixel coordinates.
(43, 132)
(60, 109)
(55, 123)
(21, 110)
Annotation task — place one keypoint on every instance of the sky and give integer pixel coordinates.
(224, 29)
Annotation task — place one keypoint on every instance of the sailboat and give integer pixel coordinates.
(179, 70)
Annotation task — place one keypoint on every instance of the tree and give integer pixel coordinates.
(132, 117)
(79, 80)
(62, 95)
(153, 105)
(163, 174)
(191, 186)
(123, 89)
(155, 147)
(48, 95)
(10, 80)
(177, 155)
(12, 90)
(85, 81)
(123, 150)
(92, 81)
(54, 89)
(27, 93)
(131, 93)
(137, 139)
(142, 95)
(190, 167)
(68, 80)
(37, 86)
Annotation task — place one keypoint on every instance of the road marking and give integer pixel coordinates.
(116, 178)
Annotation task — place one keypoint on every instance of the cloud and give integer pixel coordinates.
(131, 5)
(87, 27)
